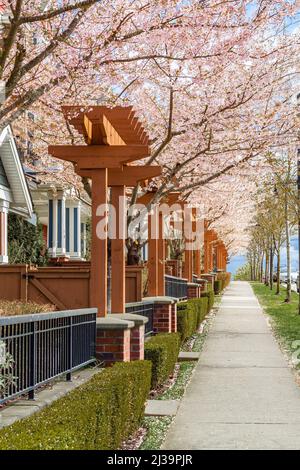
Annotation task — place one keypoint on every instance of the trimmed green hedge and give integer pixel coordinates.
(201, 308)
(162, 350)
(210, 297)
(190, 315)
(218, 286)
(99, 415)
(183, 324)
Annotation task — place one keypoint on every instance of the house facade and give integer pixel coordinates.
(14, 191)
(64, 218)
(62, 213)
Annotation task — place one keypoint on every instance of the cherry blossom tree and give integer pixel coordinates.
(212, 81)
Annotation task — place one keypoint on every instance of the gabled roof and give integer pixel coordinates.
(9, 156)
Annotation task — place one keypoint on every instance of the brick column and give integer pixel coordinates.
(203, 284)
(165, 314)
(174, 318)
(194, 291)
(137, 342)
(162, 321)
(137, 334)
(113, 340)
(210, 278)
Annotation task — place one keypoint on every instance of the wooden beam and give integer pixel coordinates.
(123, 120)
(100, 131)
(131, 175)
(124, 153)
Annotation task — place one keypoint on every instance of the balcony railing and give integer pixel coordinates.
(176, 287)
(146, 309)
(35, 349)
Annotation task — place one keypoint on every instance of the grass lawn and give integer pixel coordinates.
(286, 320)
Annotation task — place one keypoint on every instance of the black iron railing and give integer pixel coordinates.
(146, 309)
(176, 287)
(35, 349)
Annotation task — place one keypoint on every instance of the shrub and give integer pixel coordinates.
(25, 242)
(16, 307)
(210, 297)
(162, 350)
(190, 315)
(218, 286)
(187, 319)
(201, 309)
(99, 415)
(183, 324)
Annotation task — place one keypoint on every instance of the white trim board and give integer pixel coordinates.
(18, 196)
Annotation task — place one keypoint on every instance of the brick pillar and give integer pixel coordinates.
(174, 318)
(137, 340)
(113, 340)
(210, 278)
(162, 319)
(203, 285)
(194, 291)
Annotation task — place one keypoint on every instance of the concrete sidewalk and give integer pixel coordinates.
(242, 394)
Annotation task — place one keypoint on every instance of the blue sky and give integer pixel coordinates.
(240, 260)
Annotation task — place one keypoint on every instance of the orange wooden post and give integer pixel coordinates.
(161, 257)
(153, 259)
(118, 275)
(188, 252)
(206, 254)
(217, 252)
(197, 252)
(225, 255)
(98, 285)
(222, 257)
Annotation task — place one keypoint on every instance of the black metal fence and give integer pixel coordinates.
(176, 287)
(146, 309)
(35, 349)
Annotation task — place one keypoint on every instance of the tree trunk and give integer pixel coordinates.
(288, 250)
(278, 271)
(262, 267)
(271, 265)
(267, 268)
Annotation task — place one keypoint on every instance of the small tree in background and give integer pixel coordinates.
(25, 242)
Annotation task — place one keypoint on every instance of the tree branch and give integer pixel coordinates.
(59, 11)
(13, 80)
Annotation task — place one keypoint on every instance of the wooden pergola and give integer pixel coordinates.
(114, 138)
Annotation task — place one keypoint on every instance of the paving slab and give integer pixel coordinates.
(188, 356)
(242, 395)
(161, 407)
